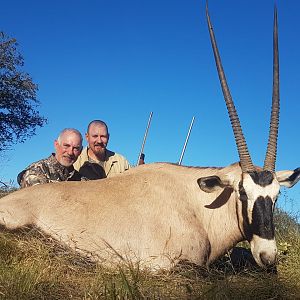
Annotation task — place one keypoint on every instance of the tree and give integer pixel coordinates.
(18, 115)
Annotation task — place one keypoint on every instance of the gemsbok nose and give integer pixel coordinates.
(268, 259)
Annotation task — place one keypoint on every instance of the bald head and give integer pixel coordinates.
(97, 123)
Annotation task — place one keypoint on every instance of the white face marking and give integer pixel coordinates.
(254, 191)
(263, 248)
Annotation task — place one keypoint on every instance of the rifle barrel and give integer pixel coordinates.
(145, 137)
(186, 141)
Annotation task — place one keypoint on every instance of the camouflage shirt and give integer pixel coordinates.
(45, 171)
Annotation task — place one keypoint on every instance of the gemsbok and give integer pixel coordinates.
(160, 214)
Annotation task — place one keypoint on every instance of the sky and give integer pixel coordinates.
(120, 60)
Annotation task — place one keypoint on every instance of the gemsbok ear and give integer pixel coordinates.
(211, 184)
(288, 178)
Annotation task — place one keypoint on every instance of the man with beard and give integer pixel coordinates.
(96, 154)
(59, 165)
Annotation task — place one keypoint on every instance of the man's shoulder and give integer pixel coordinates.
(36, 170)
(118, 162)
(115, 156)
(42, 162)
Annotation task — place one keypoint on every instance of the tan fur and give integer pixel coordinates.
(154, 213)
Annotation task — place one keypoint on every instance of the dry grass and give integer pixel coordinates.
(33, 266)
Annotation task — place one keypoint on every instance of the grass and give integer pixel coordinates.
(33, 266)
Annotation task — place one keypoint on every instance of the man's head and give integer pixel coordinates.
(68, 146)
(97, 137)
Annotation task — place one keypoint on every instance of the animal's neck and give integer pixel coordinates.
(226, 233)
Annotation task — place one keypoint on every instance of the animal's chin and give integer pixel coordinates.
(264, 258)
(259, 261)
(269, 266)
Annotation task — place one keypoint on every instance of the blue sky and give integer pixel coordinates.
(120, 60)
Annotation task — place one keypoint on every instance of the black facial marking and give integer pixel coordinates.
(262, 178)
(242, 192)
(243, 197)
(262, 214)
(262, 218)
